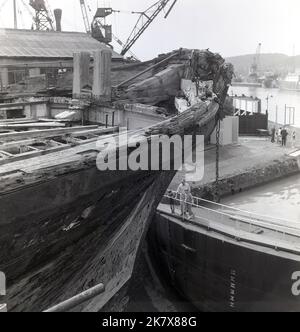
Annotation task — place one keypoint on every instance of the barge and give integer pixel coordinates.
(229, 260)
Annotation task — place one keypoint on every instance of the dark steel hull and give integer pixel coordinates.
(220, 274)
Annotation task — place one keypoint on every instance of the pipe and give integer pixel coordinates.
(78, 299)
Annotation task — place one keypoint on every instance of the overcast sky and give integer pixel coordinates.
(230, 27)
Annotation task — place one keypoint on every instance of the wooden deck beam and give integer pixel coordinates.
(36, 125)
(44, 133)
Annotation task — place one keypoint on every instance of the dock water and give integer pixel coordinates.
(279, 199)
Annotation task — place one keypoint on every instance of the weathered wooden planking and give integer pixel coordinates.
(44, 161)
(53, 120)
(98, 131)
(15, 121)
(32, 125)
(21, 104)
(185, 120)
(17, 144)
(81, 147)
(78, 155)
(31, 154)
(43, 133)
(60, 147)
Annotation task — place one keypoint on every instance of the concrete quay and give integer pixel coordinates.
(252, 162)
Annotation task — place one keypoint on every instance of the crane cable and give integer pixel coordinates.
(196, 79)
(217, 183)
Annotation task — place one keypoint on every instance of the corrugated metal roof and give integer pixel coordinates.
(44, 44)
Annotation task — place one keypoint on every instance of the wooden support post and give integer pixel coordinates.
(80, 73)
(102, 75)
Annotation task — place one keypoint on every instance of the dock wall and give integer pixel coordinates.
(248, 179)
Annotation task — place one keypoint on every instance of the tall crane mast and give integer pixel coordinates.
(144, 21)
(256, 61)
(43, 19)
(85, 16)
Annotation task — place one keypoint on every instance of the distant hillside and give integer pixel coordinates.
(269, 62)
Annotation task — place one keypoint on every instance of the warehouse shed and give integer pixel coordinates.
(30, 52)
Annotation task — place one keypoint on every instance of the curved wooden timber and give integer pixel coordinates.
(65, 226)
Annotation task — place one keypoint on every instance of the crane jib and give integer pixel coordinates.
(150, 14)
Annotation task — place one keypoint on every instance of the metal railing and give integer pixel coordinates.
(253, 215)
(240, 220)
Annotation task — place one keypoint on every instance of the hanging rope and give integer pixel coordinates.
(197, 86)
(217, 184)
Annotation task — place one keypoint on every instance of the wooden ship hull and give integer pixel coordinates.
(65, 226)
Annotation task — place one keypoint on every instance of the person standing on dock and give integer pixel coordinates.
(189, 205)
(273, 133)
(172, 197)
(279, 136)
(182, 189)
(284, 135)
(294, 139)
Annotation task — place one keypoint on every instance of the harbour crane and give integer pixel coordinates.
(103, 32)
(39, 11)
(254, 70)
(144, 21)
(15, 10)
(85, 16)
(98, 25)
(43, 19)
